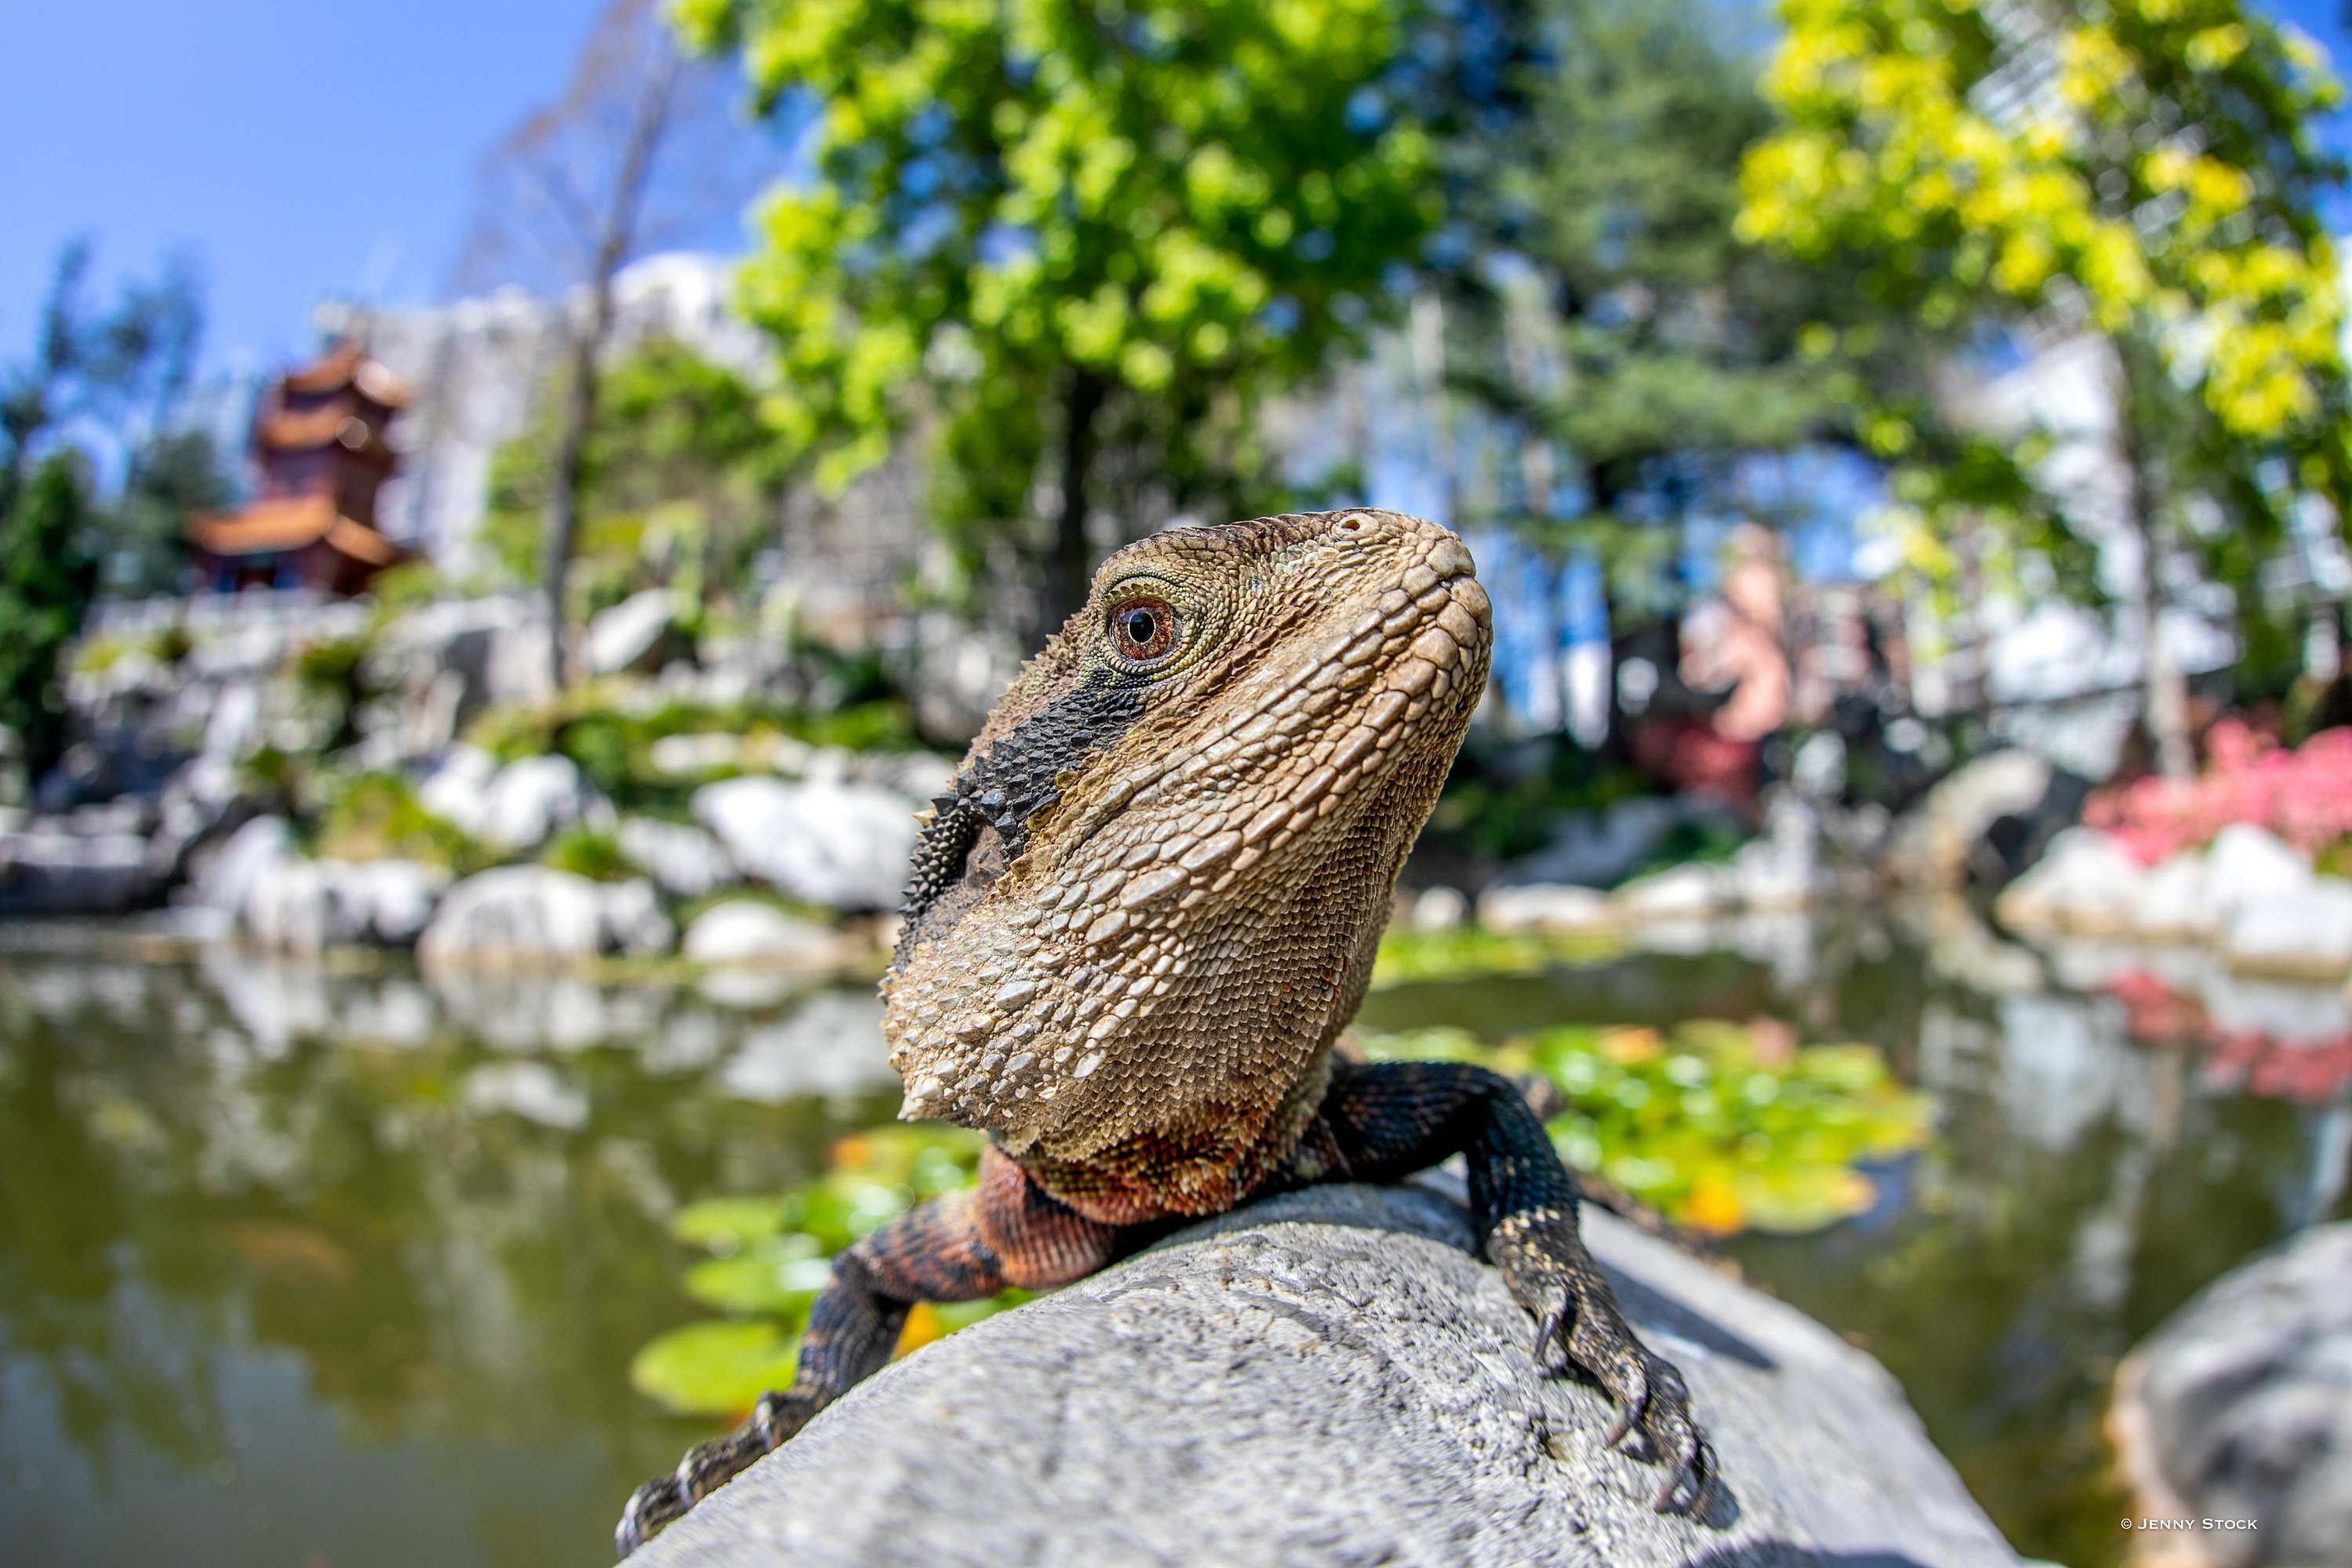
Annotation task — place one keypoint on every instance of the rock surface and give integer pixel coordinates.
(685, 860)
(1355, 1391)
(528, 916)
(2240, 1407)
(847, 846)
(755, 936)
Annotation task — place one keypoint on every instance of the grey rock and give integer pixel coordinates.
(306, 906)
(47, 871)
(1545, 906)
(1329, 1378)
(2240, 1407)
(843, 845)
(530, 801)
(228, 880)
(2306, 933)
(743, 932)
(685, 860)
(634, 635)
(832, 1045)
(1596, 849)
(528, 917)
(1932, 848)
(1781, 867)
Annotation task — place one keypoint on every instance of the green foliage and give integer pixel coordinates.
(47, 581)
(109, 386)
(145, 531)
(1708, 1125)
(377, 817)
(1470, 952)
(407, 585)
(678, 486)
(1502, 801)
(613, 744)
(2146, 167)
(590, 853)
(1053, 229)
(769, 1260)
(1630, 346)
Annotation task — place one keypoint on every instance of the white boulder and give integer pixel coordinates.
(631, 635)
(684, 859)
(298, 905)
(2175, 901)
(532, 800)
(1780, 868)
(2306, 932)
(224, 883)
(528, 917)
(1678, 892)
(454, 789)
(2084, 883)
(842, 845)
(746, 933)
(1545, 906)
(2247, 865)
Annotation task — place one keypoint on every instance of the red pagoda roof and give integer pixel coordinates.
(305, 431)
(347, 365)
(270, 526)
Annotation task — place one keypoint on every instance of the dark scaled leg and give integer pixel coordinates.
(1383, 1120)
(958, 1248)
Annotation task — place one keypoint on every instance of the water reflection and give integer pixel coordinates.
(306, 1267)
(2088, 1179)
(267, 1298)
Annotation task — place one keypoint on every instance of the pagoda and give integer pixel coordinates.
(318, 440)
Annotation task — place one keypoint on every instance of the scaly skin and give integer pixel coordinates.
(1137, 926)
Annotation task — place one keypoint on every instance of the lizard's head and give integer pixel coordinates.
(1153, 894)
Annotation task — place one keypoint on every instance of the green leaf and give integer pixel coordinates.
(715, 1368)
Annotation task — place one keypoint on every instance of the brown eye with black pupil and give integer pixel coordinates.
(1144, 632)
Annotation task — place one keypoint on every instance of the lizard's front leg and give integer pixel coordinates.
(1381, 1123)
(960, 1247)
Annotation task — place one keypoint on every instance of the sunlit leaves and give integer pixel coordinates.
(2148, 159)
(1128, 190)
(769, 1257)
(1715, 1125)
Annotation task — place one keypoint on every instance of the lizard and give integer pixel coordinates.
(1138, 924)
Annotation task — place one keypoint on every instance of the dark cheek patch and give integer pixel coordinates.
(1002, 791)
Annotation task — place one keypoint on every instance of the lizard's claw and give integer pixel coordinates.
(706, 1467)
(1545, 1264)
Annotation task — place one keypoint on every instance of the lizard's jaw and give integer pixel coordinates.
(1193, 923)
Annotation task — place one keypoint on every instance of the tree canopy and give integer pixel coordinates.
(1087, 240)
(2142, 173)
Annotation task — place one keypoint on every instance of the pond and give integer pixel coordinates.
(334, 1270)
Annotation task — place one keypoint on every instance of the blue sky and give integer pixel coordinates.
(298, 149)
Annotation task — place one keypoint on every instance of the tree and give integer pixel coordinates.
(48, 577)
(640, 152)
(2140, 171)
(679, 476)
(1085, 242)
(99, 387)
(1630, 354)
(117, 377)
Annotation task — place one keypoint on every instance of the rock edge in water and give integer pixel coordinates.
(1328, 1377)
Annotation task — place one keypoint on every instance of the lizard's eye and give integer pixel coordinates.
(1143, 631)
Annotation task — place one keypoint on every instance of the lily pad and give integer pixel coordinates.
(715, 1368)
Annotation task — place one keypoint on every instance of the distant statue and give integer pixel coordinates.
(1733, 642)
